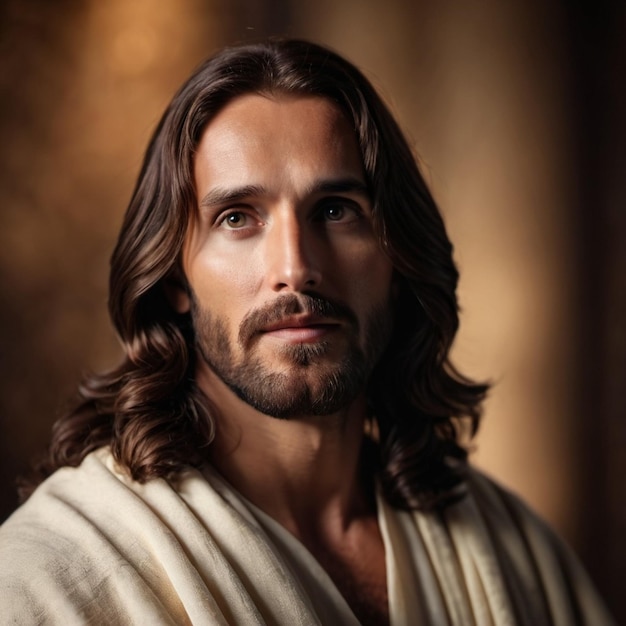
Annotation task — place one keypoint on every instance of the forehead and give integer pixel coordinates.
(282, 137)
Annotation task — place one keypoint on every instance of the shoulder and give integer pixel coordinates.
(502, 509)
(530, 554)
(521, 538)
(511, 522)
(66, 552)
(69, 495)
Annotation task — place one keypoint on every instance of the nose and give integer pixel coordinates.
(293, 261)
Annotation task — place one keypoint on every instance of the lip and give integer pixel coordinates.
(301, 329)
(299, 321)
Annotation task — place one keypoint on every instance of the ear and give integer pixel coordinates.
(177, 291)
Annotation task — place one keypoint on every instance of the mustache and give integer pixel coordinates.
(292, 304)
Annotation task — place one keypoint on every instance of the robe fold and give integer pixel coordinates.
(92, 546)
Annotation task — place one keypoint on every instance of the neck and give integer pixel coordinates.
(302, 472)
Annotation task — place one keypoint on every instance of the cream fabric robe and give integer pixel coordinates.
(92, 546)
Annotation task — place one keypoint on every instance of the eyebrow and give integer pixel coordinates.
(221, 195)
(349, 184)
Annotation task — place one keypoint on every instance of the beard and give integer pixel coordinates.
(313, 378)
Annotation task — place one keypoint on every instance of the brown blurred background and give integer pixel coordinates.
(518, 110)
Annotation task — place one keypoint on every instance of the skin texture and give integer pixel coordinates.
(269, 232)
(291, 298)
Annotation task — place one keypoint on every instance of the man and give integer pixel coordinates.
(280, 444)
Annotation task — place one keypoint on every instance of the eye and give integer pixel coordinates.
(339, 210)
(234, 220)
(334, 212)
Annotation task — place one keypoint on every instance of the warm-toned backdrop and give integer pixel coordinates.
(518, 110)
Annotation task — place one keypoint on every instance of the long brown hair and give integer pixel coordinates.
(149, 409)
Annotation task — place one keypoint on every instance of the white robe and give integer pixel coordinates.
(93, 546)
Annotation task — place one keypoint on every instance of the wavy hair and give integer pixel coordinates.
(149, 409)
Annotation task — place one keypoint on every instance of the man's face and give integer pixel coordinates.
(290, 291)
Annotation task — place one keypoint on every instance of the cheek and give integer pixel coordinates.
(222, 285)
(372, 272)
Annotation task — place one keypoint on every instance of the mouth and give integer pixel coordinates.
(301, 329)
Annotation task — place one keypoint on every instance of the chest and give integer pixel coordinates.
(361, 578)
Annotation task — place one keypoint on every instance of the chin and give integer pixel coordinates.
(316, 391)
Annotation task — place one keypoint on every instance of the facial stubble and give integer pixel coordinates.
(318, 378)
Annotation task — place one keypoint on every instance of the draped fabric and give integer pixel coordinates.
(93, 546)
